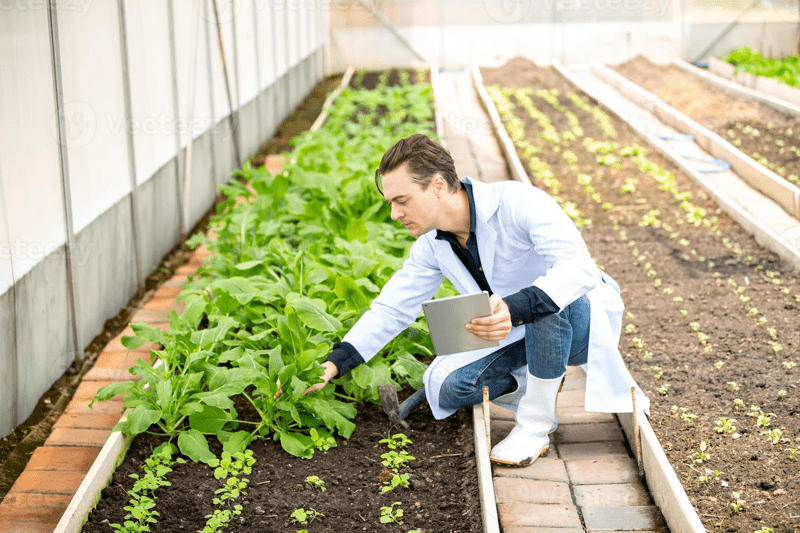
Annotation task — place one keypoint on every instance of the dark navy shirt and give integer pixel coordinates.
(524, 306)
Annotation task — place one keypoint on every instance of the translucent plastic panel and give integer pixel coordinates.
(266, 50)
(191, 52)
(152, 119)
(95, 109)
(29, 163)
(226, 17)
(246, 50)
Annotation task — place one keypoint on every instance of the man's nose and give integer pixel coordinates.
(395, 212)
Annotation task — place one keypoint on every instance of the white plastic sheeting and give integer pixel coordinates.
(32, 207)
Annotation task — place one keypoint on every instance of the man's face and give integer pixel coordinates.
(415, 208)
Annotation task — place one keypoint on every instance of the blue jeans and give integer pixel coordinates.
(550, 344)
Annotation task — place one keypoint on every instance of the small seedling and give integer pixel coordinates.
(781, 394)
(390, 514)
(397, 480)
(395, 460)
(792, 453)
(719, 365)
(303, 516)
(315, 481)
(734, 386)
(725, 425)
(322, 443)
(738, 404)
(737, 504)
(773, 435)
(789, 364)
(398, 440)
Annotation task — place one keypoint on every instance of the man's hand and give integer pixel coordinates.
(495, 327)
(330, 373)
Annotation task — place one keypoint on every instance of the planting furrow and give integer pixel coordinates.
(708, 330)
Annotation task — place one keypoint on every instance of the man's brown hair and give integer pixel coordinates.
(424, 157)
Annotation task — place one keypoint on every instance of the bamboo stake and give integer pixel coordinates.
(486, 417)
(637, 437)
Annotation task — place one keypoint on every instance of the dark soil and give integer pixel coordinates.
(299, 121)
(16, 449)
(758, 130)
(672, 266)
(443, 496)
(363, 79)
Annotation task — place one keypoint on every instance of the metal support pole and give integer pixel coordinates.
(126, 88)
(66, 196)
(176, 110)
(256, 43)
(14, 407)
(389, 26)
(227, 86)
(210, 98)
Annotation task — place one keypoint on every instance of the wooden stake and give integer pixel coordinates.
(486, 412)
(638, 438)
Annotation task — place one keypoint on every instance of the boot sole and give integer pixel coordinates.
(527, 462)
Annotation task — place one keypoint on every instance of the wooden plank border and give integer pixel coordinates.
(786, 194)
(668, 495)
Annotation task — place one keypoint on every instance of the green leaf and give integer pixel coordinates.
(207, 337)
(364, 376)
(247, 265)
(210, 420)
(194, 445)
(142, 418)
(217, 399)
(132, 343)
(297, 444)
(315, 317)
(350, 292)
(164, 394)
(194, 307)
(332, 417)
(234, 442)
(109, 391)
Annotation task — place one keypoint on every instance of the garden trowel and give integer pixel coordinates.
(399, 411)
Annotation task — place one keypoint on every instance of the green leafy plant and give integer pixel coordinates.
(141, 511)
(315, 481)
(725, 425)
(390, 514)
(303, 516)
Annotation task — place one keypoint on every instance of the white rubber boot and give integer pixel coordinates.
(535, 416)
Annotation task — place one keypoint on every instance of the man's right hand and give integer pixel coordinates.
(330, 373)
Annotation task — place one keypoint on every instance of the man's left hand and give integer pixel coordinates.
(495, 327)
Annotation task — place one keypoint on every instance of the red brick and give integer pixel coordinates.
(622, 494)
(19, 526)
(592, 450)
(113, 366)
(185, 270)
(87, 390)
(77, 437)
(509, 489)
(603, 471)
(545, 468)
(571, 398)
(534, 514)
(167, 292)
(577, 415)
(44, 509)
(115, 405)
(587, 432)
(178, 280)
(63, 458)
(83, 420)
(163, 304)
(34, 481)
(150, 316)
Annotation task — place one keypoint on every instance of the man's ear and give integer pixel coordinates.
(439, 184)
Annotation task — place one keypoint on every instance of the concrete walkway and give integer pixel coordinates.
(588, 480)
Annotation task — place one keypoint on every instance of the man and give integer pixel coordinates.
(552, 306)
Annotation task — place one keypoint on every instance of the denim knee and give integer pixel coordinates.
(455, 392)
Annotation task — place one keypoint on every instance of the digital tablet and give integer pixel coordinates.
(446, 320)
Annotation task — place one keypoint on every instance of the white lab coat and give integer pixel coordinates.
(524, 238)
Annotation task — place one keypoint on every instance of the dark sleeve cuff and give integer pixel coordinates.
(528, 304)
(345, 357)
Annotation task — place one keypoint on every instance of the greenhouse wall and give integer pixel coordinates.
(489, 32)
(107, 173)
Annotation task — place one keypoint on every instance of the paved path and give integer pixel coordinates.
(588, 480)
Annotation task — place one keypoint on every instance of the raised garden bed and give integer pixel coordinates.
(291, 269)
(768, 136)
(711, 315)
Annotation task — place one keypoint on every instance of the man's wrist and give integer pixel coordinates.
(344, 357)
